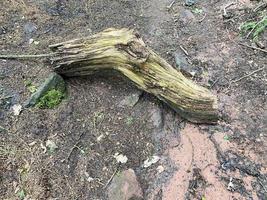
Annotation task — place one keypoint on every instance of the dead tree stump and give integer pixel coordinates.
(123, 50)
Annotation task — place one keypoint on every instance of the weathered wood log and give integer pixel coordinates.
(123, 50)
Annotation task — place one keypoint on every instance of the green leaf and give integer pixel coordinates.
(27, 82)
(226, 137)
(82, 151)
(51, 146)
(22, 194)
(129, 120)
(32, 88)
(197, 11)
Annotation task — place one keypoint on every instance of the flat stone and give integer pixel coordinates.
(156, 118)
(54, 81)
(125, 186)
(190, 2)
(131, 100)
(3, 30)
(8, 98)
(186, 16)
(30, 28)
(185, 67)
(180, 61)
(2, 130)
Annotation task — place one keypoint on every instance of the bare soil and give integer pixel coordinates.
(223, 161)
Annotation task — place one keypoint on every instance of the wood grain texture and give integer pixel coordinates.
(123, 50)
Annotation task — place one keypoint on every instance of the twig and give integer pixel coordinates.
(68, 183)
(215, 82)
(248, 75)
(184, 50)
(171, 4)
(202, 18)
(75, 146)
(260, 7)
(99, 181)
(227, 6)
(6, 97)
(110, 179)
(262, 185)
(256, 48)
(13, 56)
(192, 155)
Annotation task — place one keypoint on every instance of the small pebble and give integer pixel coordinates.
(160, 169)
(190, 2)
(17, 109)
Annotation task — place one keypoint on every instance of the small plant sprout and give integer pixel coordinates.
(21, 194)
(51, 146)
(129, 120)
(30, 86)
(197, 10)
(226, 137)
(98, 118)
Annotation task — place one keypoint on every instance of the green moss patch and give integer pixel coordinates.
(49, 94)
(51, 99)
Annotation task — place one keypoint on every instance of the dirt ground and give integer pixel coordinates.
(106, 114)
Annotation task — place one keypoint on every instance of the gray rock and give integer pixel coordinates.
(54, 81)
(222, 82)
(3, 30)
(6, 102)
(185, 67)
(186, 16)
(2, 130)
(180, 61)
(260, 44)
(131, 100)
(125, 186)
(156, 118)
(190, 2)
(7, 98)
(30, 28)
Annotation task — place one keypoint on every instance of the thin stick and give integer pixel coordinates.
(199, 21)
(110, 179)
(13, 56)
(248, 75)
(192, 155)
(6, 97)
(184, 50)
(262, 185)
(256, 48)
(227, 6)
(171, 4)
(75, 145)
(260, 7)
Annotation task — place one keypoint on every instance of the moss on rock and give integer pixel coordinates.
(51, 99)
(49, 94)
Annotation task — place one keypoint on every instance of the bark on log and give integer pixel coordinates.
(123, 50)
